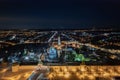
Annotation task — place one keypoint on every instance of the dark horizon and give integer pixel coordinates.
(69, 14)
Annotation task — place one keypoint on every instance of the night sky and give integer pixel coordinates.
(59, 14)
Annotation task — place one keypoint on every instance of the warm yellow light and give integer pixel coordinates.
(50, 76)
(65, 70)
(91, 77)
(77, 73)
(60, 74)
(67, 75)
(73, 69)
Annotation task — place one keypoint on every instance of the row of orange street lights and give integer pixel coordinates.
(83, 72)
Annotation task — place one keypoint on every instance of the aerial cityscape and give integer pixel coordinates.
(61, 55)
(59, 39)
